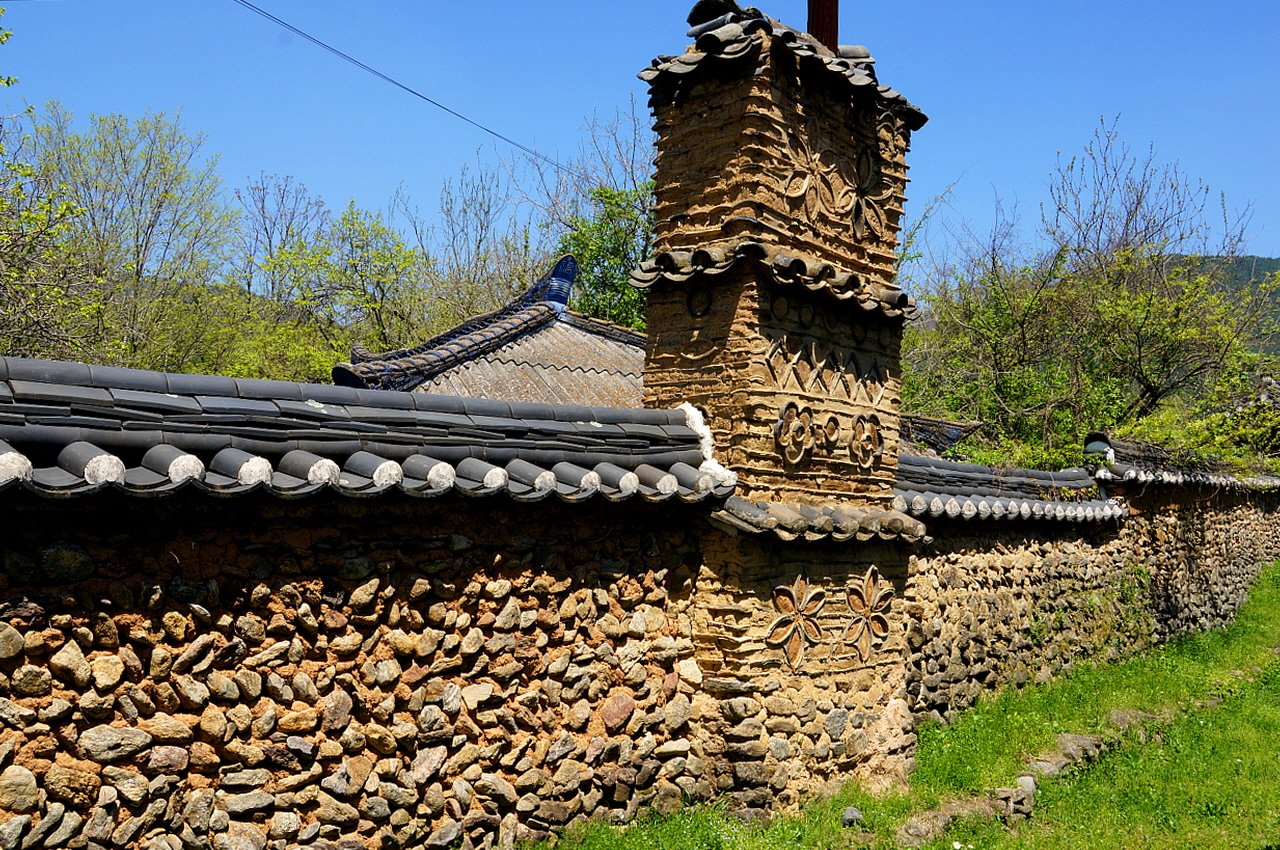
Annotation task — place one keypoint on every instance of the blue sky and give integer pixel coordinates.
(1007, 85)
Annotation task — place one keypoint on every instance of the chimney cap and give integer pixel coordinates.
(709, 10)
(856, 53)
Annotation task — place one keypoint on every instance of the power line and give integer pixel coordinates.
(336, 52)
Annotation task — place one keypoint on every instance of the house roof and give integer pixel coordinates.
(533, 349)
(571, 359)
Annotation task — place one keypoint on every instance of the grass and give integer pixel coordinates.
(1208, 776)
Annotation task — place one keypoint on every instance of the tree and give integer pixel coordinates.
(357, 279)
(1117, 307)
(44, 311)
(609, 242)
(599, 207)
(45, 308)
(275, 212)
(151, 231)
(483, 249)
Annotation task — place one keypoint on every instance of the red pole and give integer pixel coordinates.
(824, 22)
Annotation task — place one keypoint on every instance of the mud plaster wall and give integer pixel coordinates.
(991, 605)
(800, 389)
(801, 393)
(784, 157)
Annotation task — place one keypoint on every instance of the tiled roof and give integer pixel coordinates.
(838, 523)
(1127, 463)
(542, 307)
(728, 38)
(936, 434)
(783, 269)
(69, 429)
(935, 487)
(573, 359)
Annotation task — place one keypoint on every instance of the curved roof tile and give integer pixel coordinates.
(782, 268)
(68, 429)
(939, 488)
(729, 43)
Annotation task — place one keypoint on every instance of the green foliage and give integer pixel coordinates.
(1116, 309)
(119, 245)
(139, 239)
(44, 306)
(5, 34)
(608, 243)
(1235, 423)
(358, 277)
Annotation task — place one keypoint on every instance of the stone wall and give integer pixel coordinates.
(1003, 603)
(254, 673)
(195, 673)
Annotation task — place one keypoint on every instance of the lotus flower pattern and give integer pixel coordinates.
(798, 606)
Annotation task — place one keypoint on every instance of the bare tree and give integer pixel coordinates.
(483, 249)
(275, 212)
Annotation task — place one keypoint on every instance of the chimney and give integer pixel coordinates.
(824, 23)
(780, 182)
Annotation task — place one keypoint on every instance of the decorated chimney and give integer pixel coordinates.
(772, 305)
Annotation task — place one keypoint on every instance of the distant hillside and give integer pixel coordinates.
(1249, 271)
(1246, 270)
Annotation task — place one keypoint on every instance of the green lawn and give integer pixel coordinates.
(1207, 776)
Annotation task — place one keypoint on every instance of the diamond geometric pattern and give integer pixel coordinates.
(824, 369)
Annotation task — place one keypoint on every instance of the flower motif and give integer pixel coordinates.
(831, 432)
(795, 432)
(869, 192)
(817, 180)
(865, 444)
(798, 607)
(868, 606)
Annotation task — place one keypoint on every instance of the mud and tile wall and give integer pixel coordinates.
(800, 388)
(994, 606)
(786, 157)
(805, 646)
(801, 391)
(247, 674)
